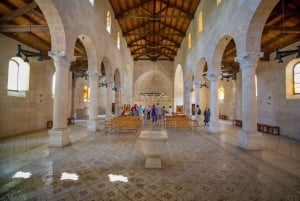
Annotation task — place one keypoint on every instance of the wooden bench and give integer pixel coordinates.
(122, 124)
(223, 117)
(270, 129)
(180, 122)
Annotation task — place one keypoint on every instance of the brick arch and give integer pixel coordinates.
(56, 27)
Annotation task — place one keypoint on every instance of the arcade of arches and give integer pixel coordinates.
(258, 92)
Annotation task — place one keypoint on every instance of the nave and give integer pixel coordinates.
(196, 166)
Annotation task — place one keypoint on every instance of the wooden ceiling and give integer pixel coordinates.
(153, 29)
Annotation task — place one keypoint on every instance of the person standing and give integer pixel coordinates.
(197, 112)
(159, 114)
(206, 116)
(153, 114)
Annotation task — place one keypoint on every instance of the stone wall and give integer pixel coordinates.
(154, 77)
(24, 114)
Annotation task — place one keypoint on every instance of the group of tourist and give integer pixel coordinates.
(156, 113)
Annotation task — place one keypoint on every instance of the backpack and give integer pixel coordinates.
(199, 112)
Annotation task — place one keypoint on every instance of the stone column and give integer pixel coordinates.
(59, 134)
(118, 102)
(187, 101)
(197, 93)
(93, 110)
(214, 124)
(249, 137)
(108, 111)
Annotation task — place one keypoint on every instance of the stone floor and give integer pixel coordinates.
(196, 166)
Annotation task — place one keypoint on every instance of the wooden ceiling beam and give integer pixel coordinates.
(154, 34)
(155, 45)
(19, 12)
(289, 30)
(123, 13)
(136, 28)
(173, 6)
(23, 28)
(156, 17)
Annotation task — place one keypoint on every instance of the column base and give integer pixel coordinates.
(92, 125)
(153, 162)
(59, 138)
(250, 141)
(214, 127)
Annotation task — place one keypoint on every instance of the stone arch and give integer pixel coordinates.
(127, 85)
(289, 71)
(256, 26)
(144, 84)
(56, 27)
(117, 78)
(178, 86)
(90, 52)
(200, 69)
(218, 54)
(108, 69)
(117, 91)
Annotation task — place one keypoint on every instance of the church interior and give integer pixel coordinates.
(73, 72)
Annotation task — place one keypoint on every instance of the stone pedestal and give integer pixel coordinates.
(153, 144)
(59, 138)
(250, 141)
(92, 125)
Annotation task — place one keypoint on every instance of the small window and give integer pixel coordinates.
(108, 22)
(218, 2)
(200, 22)
(221, 93)
(92, 2)
(86, 94)
(18, 75)
(118, 40)
(189, 41)
(297, 79)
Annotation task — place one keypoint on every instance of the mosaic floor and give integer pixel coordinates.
(196, 166)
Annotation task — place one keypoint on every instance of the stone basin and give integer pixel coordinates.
(153, 144)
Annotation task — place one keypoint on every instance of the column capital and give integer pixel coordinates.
(248, 59)
(93, 75)
(197, 84)
(61, 57)
(213, 77)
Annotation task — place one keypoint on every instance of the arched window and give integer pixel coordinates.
(296, 79)
(118, 41)
(221, 93)
(189, 41)
(218, 2)
(108, 21)
(200, 22)
(18, 75)
(92, 2)
(86, 94)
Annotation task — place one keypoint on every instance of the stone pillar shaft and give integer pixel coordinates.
(93, 110)
(59, 134)
(197, 93)
(214, 125)
(108, 111)
(249, 137)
